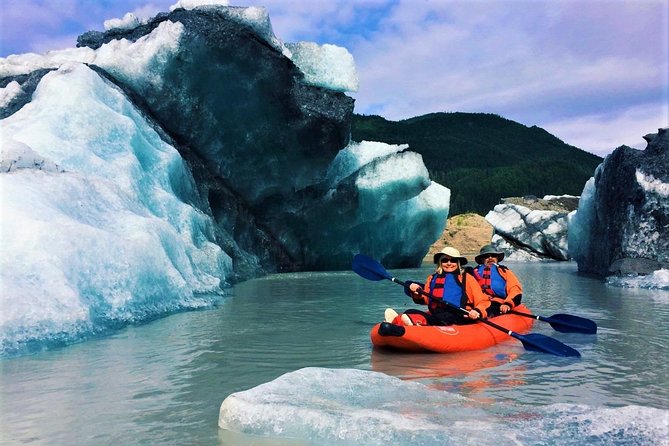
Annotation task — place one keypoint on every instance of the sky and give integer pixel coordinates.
(594, 73)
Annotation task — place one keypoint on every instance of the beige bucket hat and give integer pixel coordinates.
(450, 252)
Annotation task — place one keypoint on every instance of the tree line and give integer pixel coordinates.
(483, 158)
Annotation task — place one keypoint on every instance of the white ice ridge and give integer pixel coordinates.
(327, 66)
(129, 21)
(143, 62)
(356, 155)
(138, 63)
(192, 4)
(96, 226)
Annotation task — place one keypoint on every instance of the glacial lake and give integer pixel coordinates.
(163, 382)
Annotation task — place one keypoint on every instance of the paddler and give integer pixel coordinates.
(497, 281)
(447, 284)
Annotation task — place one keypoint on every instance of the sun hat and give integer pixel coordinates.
(488, 249)
(450, 252)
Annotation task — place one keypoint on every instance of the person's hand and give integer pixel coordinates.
(504, 308)
(414, 287)
(473, 314)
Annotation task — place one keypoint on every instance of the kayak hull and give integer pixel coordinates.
(451, 338)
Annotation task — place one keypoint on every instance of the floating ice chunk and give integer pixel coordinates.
(15, 65)
(329, 406)
(563, 424)
(557, 197)
(142, 63)
(345, 406)
(327, 66)
(658, 280)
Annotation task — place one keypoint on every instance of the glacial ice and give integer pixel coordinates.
(192, 4)
(129, 21)
(8, 93)
(146, 175)
(620, 225)
(541, 233)
(344, 406)
(328, 66)
(141, 63)
(97, 227)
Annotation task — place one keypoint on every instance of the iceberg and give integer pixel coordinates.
(162, 161)
(620, 226)
(97, 227)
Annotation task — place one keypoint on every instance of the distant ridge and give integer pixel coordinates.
(483, 157)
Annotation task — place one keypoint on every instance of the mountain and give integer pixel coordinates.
(483, 157)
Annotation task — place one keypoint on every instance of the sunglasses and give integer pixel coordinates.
(447, 260)
(488, 256)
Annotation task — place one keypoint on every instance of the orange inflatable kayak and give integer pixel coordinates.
(451, 338)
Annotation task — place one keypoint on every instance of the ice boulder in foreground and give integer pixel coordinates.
(355, 407)
(531, 229)
(622, 223)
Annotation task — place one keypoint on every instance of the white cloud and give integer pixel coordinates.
(556, 64)
(574, 67)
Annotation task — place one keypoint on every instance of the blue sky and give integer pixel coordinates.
(595, 73)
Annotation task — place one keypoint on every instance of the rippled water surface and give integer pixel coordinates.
(163, 382)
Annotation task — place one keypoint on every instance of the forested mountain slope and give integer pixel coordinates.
(484, 157)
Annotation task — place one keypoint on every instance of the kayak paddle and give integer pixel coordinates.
(565, 323)
(370, 269)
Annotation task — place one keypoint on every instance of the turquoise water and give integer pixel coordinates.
(163, 382)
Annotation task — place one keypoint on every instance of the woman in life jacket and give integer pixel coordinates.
(447, 284)
(497, 281)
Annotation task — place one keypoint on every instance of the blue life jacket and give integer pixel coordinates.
(496, 286)
(448, 287)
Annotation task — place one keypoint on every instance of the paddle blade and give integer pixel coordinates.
(369, 268)
(567, 323)
(545, 344)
